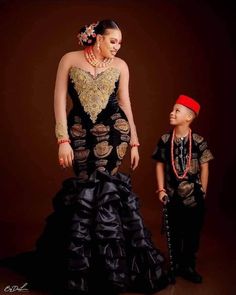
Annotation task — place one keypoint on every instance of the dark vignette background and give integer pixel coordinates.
(171, 47)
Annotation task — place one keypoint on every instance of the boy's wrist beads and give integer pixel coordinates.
(160, 190)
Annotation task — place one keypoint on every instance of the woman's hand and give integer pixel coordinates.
(134, 157)
(66, 155)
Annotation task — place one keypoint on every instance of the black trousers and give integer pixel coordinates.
(185, 228)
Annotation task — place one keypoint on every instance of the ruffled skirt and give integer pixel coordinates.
(95, 240)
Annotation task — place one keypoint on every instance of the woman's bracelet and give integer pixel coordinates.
(135, 145)
(63, 141)
(160, 190)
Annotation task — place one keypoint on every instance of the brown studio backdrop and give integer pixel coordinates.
(171, 47)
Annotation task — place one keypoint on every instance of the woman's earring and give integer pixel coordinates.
(98, 47)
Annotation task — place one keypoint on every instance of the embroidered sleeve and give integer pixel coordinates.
(159, 153)
(61, 131)
(205, 154)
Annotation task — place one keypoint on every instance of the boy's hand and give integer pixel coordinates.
(163, 197)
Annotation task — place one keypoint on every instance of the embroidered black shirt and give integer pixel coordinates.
(200, 154)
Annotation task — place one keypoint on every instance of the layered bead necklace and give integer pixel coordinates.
(91, 58)
(189, 156)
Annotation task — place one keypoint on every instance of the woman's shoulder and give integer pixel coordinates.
(120, 62)
(70, 58)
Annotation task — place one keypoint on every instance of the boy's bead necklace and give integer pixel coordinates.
(189, 156)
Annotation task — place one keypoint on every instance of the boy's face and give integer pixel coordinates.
(181, 115)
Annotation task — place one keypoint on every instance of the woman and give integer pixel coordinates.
(95, 238)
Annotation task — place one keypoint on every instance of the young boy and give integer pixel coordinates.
(182, 173)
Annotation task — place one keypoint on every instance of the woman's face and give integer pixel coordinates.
(110, 42)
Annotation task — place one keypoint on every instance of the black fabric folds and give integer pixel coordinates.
(95, 239)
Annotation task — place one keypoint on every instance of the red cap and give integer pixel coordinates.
(189, 103)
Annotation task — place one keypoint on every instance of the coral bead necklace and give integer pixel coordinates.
(91, 58)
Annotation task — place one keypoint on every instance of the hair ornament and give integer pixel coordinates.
(87, 35)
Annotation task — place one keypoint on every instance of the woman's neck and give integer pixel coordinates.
(97, 54)
(181, 131)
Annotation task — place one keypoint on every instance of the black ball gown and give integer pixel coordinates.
(95, 239)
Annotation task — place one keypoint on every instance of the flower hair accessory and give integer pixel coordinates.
(88, 34)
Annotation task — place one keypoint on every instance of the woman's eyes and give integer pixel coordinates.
(115, 42)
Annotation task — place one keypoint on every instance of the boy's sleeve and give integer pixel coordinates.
(205, 154)
(159, 153)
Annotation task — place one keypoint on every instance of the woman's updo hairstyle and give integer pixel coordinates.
(87, 34)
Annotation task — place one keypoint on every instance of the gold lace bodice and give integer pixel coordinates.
(94, 92)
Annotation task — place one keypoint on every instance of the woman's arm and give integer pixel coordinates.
(124, 101)
(125, 105)
(65, 152)
(60, 95)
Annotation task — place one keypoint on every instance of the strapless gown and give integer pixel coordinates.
(95, 241)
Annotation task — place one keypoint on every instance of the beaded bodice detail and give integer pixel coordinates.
(94, 92)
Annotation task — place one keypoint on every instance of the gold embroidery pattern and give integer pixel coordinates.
(122, 125)
(100, 130)
(206, 156)
(203, 146)
(197, 138)
(185, 191)
(61, 131)
(194, 166)
(115, 116)
(79, 143)
(165, 137)
(103, 138)
(102, 169)
(77, 131)
(81, 154)
(101, 162)
(102, 149)
(93, 92)
(125, 137)
(121, 150)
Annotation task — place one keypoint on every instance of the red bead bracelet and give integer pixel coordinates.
(160, 190)
(63, 141)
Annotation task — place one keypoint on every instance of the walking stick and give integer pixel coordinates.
(168, 237)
